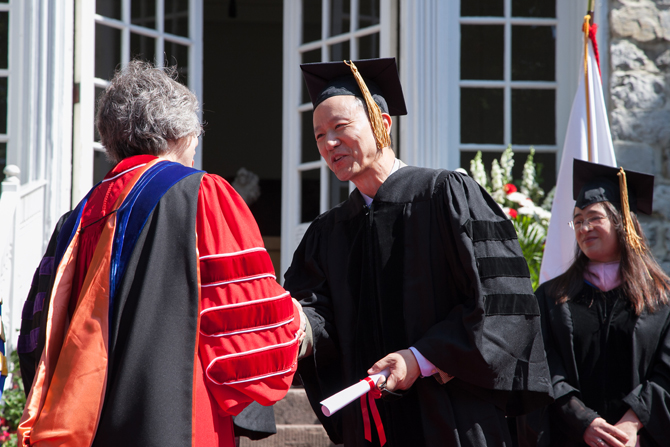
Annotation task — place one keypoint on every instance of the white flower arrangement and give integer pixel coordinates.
(530, 220)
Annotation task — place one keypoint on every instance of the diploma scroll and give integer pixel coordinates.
(338, 401)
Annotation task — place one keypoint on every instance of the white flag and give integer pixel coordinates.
(559, 251)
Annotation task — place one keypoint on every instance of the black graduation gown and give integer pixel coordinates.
(435, 264)
(647, 371)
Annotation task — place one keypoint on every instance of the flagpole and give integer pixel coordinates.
(585, 28)
(559, 247)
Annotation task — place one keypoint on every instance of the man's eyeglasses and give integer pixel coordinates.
(594, 221)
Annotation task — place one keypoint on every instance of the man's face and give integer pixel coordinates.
(344, 137)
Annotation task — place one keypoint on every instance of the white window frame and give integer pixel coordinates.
(39, 114)
(507, 84)
(39, 130)
(5, 73)
(430, 71)
(292, 229)
(86, 19)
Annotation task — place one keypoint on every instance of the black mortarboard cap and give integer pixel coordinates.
(327, 79)
(593, 183)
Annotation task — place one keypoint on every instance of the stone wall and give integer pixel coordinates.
(640, 104)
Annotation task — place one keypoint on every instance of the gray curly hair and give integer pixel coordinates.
(144, 108)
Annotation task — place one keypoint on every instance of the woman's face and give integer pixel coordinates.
(595, 234)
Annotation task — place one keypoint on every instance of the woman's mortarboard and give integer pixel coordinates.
(593, 183)
(626, 190)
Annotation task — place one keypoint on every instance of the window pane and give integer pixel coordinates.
(545, 165)
(4, 39)
(339, 191)
(143, 13)
(482, 52)
(309, 150)
(368, 46)
(534, 8)
(368, 13)
(142, 47)
(309, 57)
(98, 93)
(533, 53)
(3, 105)
(108, 8)
(470, 8)
(311, 20)
(309, 188)
(176, 17)
(482, 115)
(533, 116)
(107, 51)
(340, 17)
(176, 54)
(339, 51)
(101, 166)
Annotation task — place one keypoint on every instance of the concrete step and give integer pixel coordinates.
(294, 409)
(297, 425)
(293, 436)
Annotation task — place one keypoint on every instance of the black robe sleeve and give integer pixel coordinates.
(492, 340)
(321, 371)
(311, 288)
(29, 348)
(569, 414)
(650, 400)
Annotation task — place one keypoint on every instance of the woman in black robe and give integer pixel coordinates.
(605, 322)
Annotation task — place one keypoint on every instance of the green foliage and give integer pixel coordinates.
(12, 440)
(549, 199)
(529, 184)
(11, 407)
(531, 236)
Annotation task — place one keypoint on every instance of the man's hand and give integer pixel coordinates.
(630, 424)
(403, 369)
(602, 434)
(303, 320)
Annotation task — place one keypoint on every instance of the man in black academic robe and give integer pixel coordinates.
(415, 258)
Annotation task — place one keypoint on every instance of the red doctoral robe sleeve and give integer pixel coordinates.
(247, 340)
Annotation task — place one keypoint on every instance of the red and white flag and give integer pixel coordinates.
(587, 117)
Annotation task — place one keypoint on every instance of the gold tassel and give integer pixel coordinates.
(381, 135)
(634, 239)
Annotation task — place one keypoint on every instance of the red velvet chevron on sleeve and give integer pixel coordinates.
(248, 323)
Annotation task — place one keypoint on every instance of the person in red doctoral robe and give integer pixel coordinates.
(162, 317)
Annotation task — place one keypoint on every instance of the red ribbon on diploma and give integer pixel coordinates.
(373, 394)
